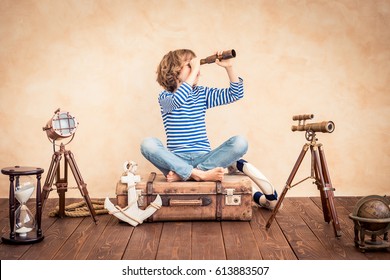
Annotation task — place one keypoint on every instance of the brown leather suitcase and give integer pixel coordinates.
(230, 199)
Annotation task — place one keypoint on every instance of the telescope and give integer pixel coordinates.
(225, 55)
(319, 169)
(325, 126)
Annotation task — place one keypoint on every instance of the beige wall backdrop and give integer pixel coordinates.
(97, 60)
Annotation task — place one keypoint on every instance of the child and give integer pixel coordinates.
(183, 107)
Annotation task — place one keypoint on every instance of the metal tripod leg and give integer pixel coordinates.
(288, 183)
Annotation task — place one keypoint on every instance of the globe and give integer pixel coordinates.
(375, 208)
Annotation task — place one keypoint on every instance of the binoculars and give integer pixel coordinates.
(225, 55)
(325, 126)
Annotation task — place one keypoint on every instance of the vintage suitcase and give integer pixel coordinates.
(230, 199)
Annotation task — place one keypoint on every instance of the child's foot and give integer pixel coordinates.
(173, 177)
(213, 175)
(232, 169)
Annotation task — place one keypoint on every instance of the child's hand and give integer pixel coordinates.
(195, 65)
(191, 73)
(226, 63)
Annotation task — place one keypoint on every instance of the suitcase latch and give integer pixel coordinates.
(231, 199)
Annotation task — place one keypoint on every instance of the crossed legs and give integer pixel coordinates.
(202, 166)
(210, 166)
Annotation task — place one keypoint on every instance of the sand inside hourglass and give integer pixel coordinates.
(24, 218)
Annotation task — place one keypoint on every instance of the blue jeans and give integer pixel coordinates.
(183, 163)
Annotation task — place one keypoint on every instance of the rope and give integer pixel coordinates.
(120, 210)
(80, 209)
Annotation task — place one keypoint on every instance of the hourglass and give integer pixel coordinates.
(24, 219)
(25, 227)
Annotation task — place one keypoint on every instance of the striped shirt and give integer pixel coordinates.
(184, 111)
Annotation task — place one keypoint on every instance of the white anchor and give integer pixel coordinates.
(131, 213)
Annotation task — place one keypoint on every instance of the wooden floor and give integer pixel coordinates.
(298, 232)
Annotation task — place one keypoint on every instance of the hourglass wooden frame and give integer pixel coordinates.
(36, 234)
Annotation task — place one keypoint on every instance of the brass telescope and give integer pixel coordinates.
(225, 55)
(325, 126)
(319, 170)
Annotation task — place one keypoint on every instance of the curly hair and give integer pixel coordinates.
(170, 66)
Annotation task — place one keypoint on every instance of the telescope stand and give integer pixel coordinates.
(319, 172)
(62, 183)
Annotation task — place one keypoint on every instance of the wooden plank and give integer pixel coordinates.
(14, 252)
(347, 236)
(343, 207)
(305, 244)
(298, 220)
(383, 254)
(144, 242)
(348, 204)
(112, 242)
(83, 239)
(55, 237)
(207, 241)
(4, 208)
(313, 217)
(4, 205)
(240, 244)
(175, 242)
(4, 214)
(271, 242)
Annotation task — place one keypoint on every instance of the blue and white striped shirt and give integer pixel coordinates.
(184, 112)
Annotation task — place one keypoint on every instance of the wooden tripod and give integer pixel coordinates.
(62, 182)
(319, 172)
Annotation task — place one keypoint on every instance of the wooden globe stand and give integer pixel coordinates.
(370, 226)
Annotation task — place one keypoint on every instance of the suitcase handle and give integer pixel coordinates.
(185, 202)
(201, 201)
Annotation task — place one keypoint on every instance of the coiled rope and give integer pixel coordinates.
(80, 209)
